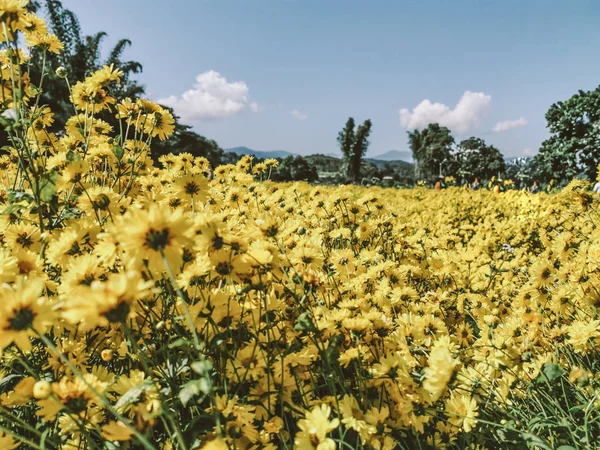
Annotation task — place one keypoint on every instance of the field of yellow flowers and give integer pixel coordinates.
(174, 307)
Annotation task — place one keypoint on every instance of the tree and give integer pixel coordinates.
(354, 145)
(574, 144)
(431, 148)
(81, 56)
(477, 159)
(520, 169)
(295, 169)
(346, 141)
(557, 161)
(359, 149)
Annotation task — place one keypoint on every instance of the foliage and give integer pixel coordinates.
(354, 144)
(431, 148)
(522, 171)
(295, 169)
(475, 158)
(555, 162)
(324, 163)
(575, 138)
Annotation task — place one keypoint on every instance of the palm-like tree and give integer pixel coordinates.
(81, 56)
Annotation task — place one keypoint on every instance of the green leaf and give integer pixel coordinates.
(536, 441)
(17, 196)
(72, 156)
(12, 209)
(180, 343)
(552, 371)
(566, 447)
(305, 323)
(118, 152)
(576, 408)
(48, 187)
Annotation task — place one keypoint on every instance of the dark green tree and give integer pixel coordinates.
(520, 170)
(359, 150)
(354, 144)
(295, 169)
(557, 160)
(346, 142)
(475, 158)
(431, 149)
(574, 143)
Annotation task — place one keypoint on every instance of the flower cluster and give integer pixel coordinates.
(152, 306)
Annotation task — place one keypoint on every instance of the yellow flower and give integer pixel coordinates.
(7, 442)
(192, 186)
(215, 444)
(104, 76)
(314, 429)
(111, 301)
(46, 41)
(74, 394)
(462, 412)
(147, 235)
(23, 310)
(116, 431)
(160, 123)
(14, 15)
(21, 394)
(440, 368)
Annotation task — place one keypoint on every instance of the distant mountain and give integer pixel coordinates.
(260, 153)
(394, 155)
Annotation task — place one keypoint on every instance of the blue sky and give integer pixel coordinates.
(286, 74)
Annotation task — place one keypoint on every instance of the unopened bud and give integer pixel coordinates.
(42, 390)
(106, 355)
(61, 72)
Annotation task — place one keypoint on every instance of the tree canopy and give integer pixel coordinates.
(354, 144)
(475, 158)
(574, 143)
(430, 147)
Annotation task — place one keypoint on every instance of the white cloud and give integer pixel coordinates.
(211, 97)
(509, 124)
(465, 115)
(298, 115)
(528, 151)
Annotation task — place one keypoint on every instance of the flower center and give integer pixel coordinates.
(157, 239)
(22, 320)
(192, 188)
(118, 313)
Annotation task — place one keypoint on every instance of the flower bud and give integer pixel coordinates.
(61, 72)
(106, 355)
(42, 390)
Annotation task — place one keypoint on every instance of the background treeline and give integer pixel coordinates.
(571, 151)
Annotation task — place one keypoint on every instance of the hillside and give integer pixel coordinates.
(394, 155)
